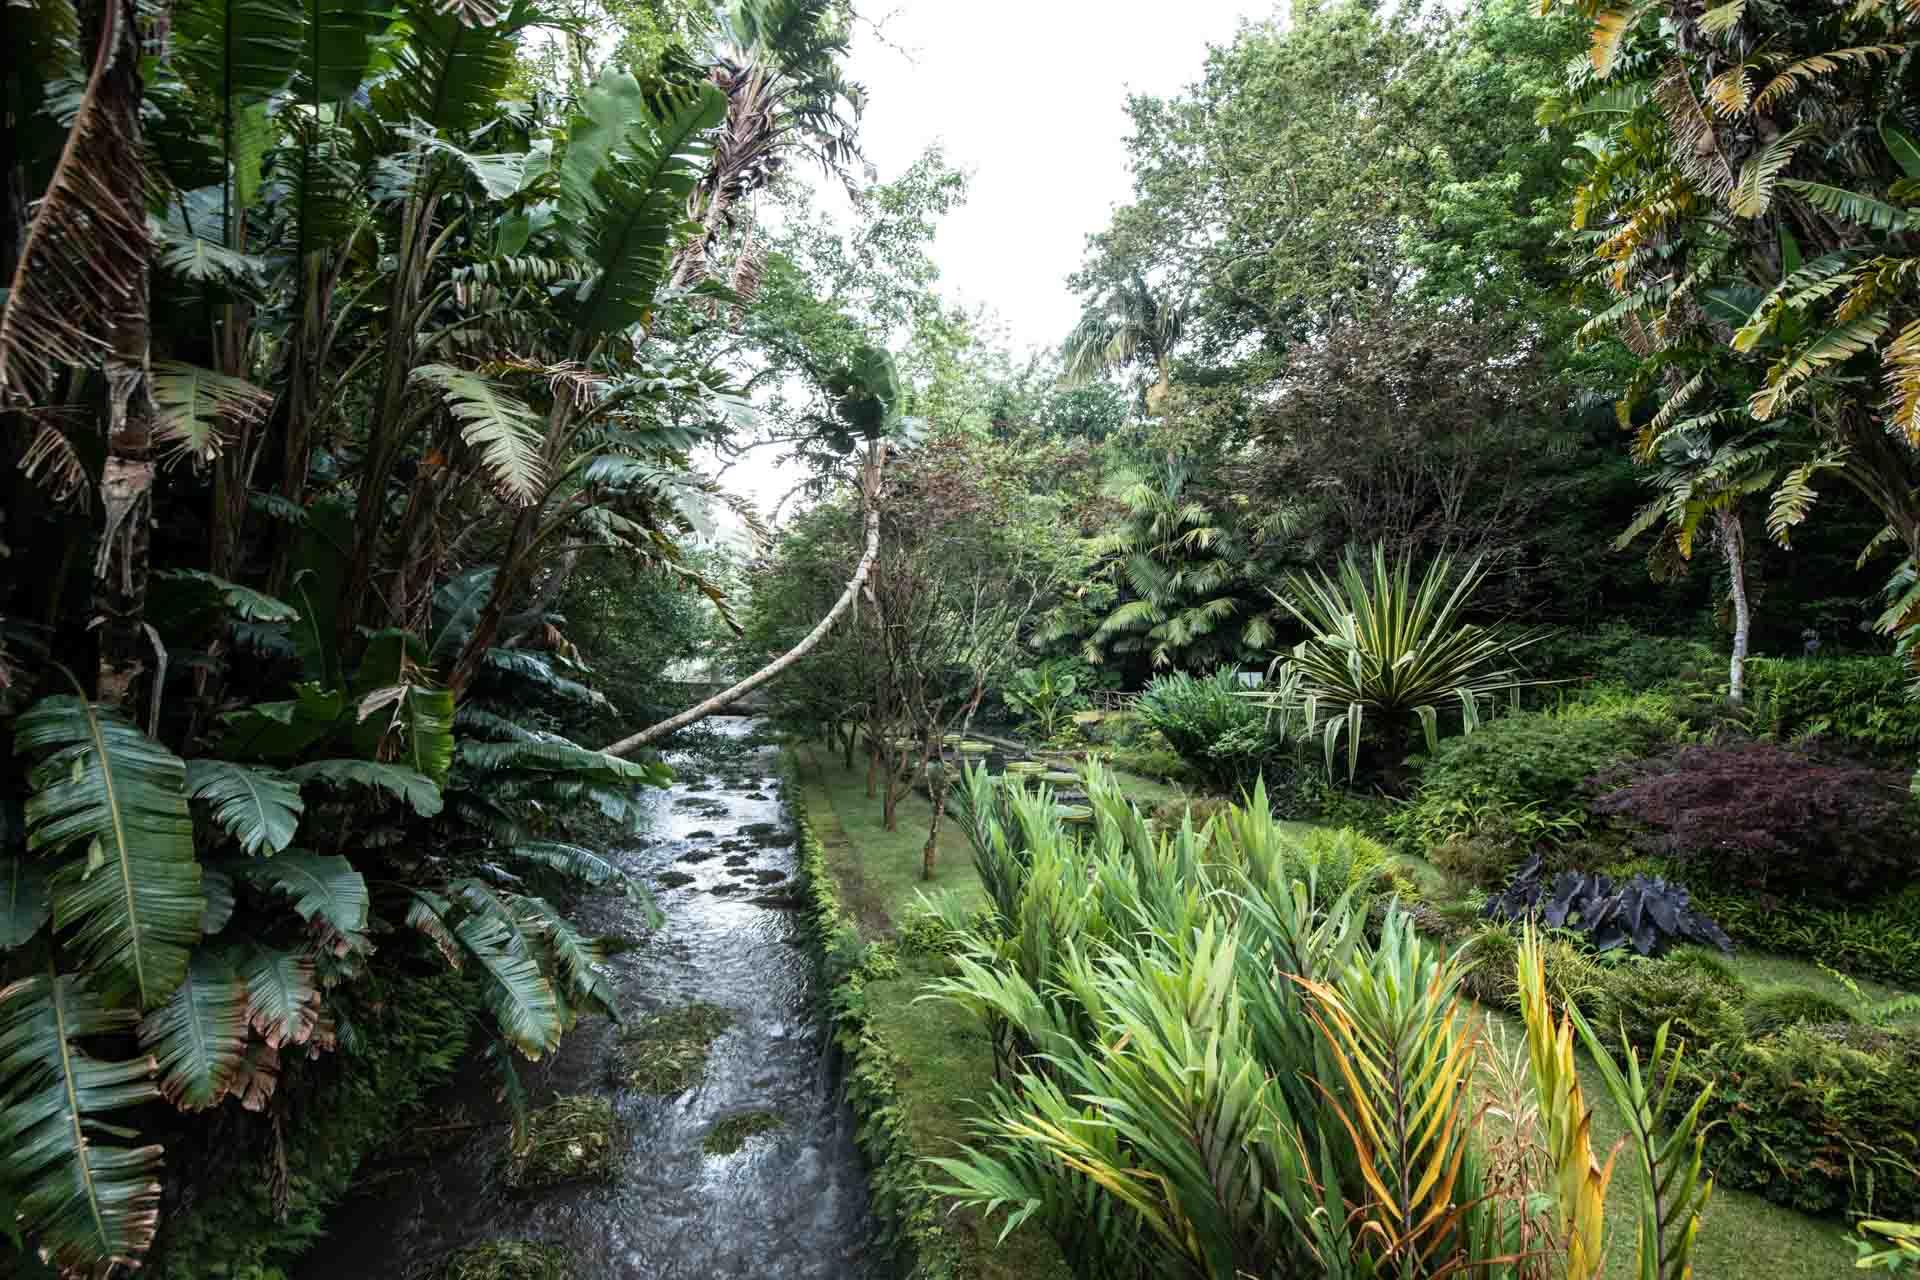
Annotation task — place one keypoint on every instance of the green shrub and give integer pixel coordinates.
(1699, 1002)
(1342, 858)
(1311, 796)
(1861, 701)
(1526, 773)
(1224, 736)
(1809, 1121)
(1774, 1009)
(1875, 939)
(1617, 654)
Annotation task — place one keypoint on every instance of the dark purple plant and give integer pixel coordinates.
(1648, 914)
(1766, 817)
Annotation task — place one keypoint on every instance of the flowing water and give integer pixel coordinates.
(790, 1203)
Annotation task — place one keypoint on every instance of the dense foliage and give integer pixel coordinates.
(1228, 738)
(1213, 1078)
(1647, 914)
(1768, 817)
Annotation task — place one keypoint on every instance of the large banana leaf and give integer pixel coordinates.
(114, 803)
(284, 730)
(23, 899)
(400, 716)
(444, 73)
(283, 1003)
(336, 45)
(398, 781)
(260, 808)
(456, 607)
(518, 991)
(199, 1036)
(497, 425)
(324, 889)
(86, 1203)
(639, 205)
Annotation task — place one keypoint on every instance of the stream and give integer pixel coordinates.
(790, 1203)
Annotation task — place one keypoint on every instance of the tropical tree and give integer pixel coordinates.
(779, 64)
(400, 352)
(1696, 481)
(1384, 652)
(1178, 561)
(1746, 187)
(1127, 325)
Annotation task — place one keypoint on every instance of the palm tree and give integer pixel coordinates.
(1129, 326)
(779, 65)
(1178, 561)
(1697, 479)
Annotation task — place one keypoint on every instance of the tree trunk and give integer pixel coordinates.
(1733, 545)
(126, 491)
(870, 483)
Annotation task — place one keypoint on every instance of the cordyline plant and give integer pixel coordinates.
(1386, 651)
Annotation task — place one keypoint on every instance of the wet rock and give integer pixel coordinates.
(757, 795)
(672, 879)
(786, 900)
(702, 834)
(766, 876)
(726, 888)
(737, 860)
(698, 855)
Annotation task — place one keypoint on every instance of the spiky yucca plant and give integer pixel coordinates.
(1385, 652)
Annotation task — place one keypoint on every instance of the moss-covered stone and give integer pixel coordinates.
(731, 1133)
(572, 1139)
(665, 1052)
(509, 1260)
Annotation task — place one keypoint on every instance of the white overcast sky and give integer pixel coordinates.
(1030, 98)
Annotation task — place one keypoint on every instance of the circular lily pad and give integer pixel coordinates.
(1060, 778)
(1074, 813)
(971, 748)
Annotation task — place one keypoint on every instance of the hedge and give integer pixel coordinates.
(906, 1212)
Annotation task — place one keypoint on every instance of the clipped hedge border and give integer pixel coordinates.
(906, 1209)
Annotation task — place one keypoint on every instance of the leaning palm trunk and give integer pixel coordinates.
(870, 485)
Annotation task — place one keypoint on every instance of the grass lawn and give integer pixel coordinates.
(947, 1061)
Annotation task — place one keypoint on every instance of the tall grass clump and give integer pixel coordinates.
(1209, 1065)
